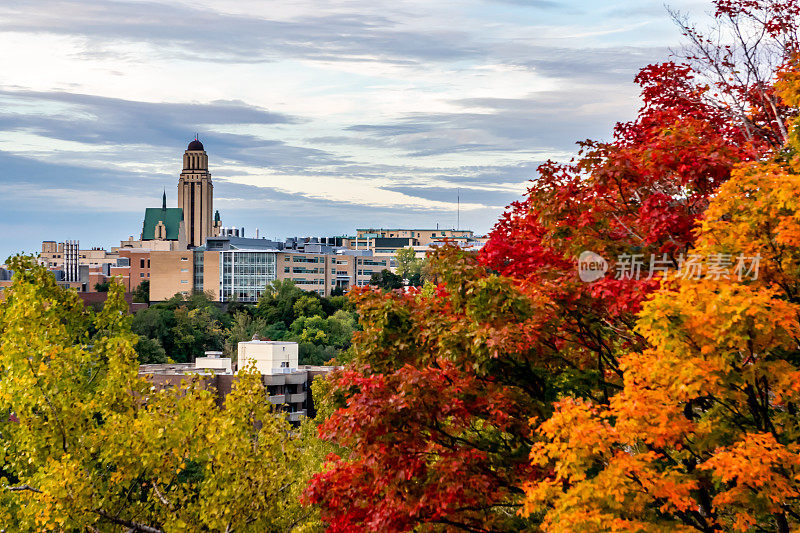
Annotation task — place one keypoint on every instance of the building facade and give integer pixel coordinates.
(234, 268)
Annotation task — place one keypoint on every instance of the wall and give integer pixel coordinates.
(170, 273)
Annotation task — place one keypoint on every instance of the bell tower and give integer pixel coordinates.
(196, 194)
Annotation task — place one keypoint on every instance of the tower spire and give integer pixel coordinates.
(164, 200)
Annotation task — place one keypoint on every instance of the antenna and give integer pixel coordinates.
(458, 216)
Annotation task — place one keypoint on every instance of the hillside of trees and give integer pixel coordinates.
(183, 328)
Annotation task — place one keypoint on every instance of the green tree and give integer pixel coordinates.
(321, 339)
(141, 294)
(101, 287)
(90, 447)
(386, 280)
(242, 329)
(156, 322)
(308, 305)
(277, 302)
(150, 351)
(196, 330)
(408, 264)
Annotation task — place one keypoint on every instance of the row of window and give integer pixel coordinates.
(301, 281)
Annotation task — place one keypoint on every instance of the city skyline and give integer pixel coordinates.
(340, 114)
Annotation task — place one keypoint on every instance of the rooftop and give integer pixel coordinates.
(171, 217)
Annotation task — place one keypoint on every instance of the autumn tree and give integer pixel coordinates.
(704, 434)
(86, 444)
(452, 386)
(747, 42)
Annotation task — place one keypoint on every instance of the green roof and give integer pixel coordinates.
(171, 217)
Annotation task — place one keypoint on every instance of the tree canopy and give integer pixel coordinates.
(513, 395)
(88, 445)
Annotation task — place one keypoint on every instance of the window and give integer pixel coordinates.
(286, 269)
(184, 270)
(141, 274)
(184, 258)
(184, 281)
(141, 263)
(148, 263)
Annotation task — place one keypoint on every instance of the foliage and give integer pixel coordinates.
(196, 330)
(185, 327)
(507, 394)
(386, 280)
(102, 287)
(307, 305)
(434, 428)
(242, 329)
(91, 446)
(141, 294)
(278, 300)
(409, 266)
(150, 351)
(704, 434)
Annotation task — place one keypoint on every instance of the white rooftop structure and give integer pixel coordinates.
(268, 357)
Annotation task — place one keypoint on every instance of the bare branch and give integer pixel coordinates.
(134, 526)
(24, 487)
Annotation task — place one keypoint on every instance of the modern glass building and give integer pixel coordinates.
(244, 274)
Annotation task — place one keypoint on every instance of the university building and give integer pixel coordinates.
(237, 268)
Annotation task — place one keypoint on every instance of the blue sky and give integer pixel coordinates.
(318, 117)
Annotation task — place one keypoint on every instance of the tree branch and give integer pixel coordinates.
(134, 526)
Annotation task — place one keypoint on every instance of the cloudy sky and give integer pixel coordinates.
(318, 117)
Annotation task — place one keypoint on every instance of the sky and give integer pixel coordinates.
(318, 117)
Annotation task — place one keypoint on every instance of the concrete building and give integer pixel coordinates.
(267, 357)
(196, 195)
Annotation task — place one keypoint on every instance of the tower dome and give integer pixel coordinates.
(195, 146)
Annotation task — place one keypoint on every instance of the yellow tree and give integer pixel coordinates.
(88, 445)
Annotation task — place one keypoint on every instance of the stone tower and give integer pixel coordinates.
(196, 195)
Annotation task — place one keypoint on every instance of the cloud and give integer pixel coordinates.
(317, 116)
(213, 35)
(489, 198)
(102, 119)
